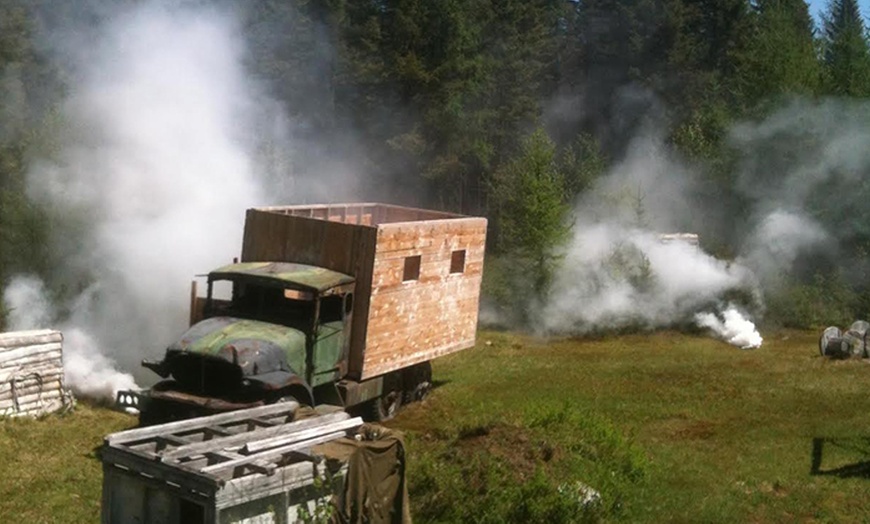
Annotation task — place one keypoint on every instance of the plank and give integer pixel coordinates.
(440, 253)
(390, 275)
(177, 474)
(46, 370)
(9, 355)
(33, 398)
(376, 367)
(470, 281)
(29, 338)
(28, 387)
(45, 358)
(444, 313)
(397, 345)
(443, 227)
(132, 435)
(257, 446)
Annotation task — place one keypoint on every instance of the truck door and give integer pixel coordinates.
(331, 338)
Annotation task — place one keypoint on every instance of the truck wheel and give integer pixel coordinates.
(418, 382)
(385, 407)
(388, 404)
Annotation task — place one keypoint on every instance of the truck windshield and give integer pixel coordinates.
(272, 304)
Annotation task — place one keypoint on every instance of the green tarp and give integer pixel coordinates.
(374, 490)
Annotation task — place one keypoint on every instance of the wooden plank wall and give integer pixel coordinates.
(31, 373)
(415, 321)
(274, 236)
(390, 214)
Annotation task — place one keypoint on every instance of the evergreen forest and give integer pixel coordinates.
(520, 111)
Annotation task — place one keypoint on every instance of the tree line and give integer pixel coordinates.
(506, 108)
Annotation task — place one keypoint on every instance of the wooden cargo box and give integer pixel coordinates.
(254, 465)
(418, 274)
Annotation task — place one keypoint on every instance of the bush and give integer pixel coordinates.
(826, 301)
(537, 469)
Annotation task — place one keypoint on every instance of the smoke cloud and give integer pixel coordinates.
(155, 166)
(800, 174)
(620, 270)
(732, 328)
(87, 371)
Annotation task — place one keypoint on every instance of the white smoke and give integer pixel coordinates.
(151, 182)
(86, 370)
(615, 277)
(733, 327)
(800, 175)
(618, 271)
(777, 241)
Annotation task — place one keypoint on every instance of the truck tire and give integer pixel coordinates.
(418, 382)
(389, 403)
(385, 407)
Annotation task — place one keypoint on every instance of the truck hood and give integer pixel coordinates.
(267, 352)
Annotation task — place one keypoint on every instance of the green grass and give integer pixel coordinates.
(668, 427)
(681, 428)
(49, 468)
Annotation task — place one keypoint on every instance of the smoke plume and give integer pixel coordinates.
(149, 184)
(87, 371)
(621, 270)
(733, 327)
(800, 174)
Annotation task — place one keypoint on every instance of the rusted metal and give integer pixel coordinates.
(209, 403)
(284, 274)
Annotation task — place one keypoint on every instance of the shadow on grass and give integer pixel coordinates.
(850, 448)
(438, 383)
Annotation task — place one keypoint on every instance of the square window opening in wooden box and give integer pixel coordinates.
(457, 261)
(412, 269)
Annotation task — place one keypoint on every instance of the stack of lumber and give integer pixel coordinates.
(31, 373)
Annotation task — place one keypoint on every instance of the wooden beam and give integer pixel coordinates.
(199, 423)
(273, 442)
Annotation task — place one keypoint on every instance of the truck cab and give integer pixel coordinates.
(277, 331)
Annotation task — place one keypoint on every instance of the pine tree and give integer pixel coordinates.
(532, 210)
(780, 57)
(846, 54)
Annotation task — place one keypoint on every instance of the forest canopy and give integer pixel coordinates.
(744, 122)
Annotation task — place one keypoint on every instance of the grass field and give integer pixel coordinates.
(667, 427)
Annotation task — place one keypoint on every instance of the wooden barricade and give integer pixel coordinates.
(31, 373)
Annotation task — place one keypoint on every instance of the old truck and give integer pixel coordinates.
(342, 304)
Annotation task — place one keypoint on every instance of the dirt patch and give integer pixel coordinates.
(521, 451)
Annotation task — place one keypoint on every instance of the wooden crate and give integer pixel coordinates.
(252, 465)
(31, 373)
(418, 273)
